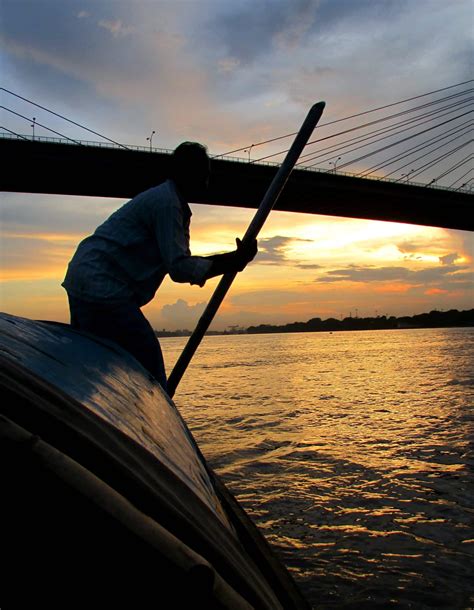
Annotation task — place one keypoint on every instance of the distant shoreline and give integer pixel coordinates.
(433, 319)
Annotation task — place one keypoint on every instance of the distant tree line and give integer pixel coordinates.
(433, 319)
(233, 330)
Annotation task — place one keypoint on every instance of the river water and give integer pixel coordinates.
(352, 451)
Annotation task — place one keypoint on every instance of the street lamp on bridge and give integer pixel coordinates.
(335, 163)
(150, 139)
(407, 175)
(33, 127)
(248, 150)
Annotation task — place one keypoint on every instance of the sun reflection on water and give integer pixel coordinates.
(352, 452)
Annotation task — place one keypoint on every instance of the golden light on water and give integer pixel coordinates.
(350, 449)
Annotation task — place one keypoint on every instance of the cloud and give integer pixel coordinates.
(228, 65)
(231, 73)
(250, 29)
(449, 259)
(41, 232)
(436, 291)
(273, 250)
(61, 214)
(364, 274)
(58, 54)
(116, 27)
(421, 247)
(410, 246)
(181, 315)
(227, 73)
(24, 257)
(368, 67)
(309, 266)
(265, 298)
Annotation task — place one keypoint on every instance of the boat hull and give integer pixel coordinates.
(106, 489)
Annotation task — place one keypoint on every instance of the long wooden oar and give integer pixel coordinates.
(257, 223)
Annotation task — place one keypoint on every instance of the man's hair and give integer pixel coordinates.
(189, 158)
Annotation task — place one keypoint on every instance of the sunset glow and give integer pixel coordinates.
(189, 71)
(307, 266)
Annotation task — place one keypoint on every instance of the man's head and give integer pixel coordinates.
(190, 169)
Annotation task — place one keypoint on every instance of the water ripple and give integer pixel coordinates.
(353, 452)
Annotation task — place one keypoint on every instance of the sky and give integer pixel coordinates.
(228, 74)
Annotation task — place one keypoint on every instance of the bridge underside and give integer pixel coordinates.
(38, 167)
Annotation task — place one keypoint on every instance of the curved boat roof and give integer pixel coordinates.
(103, 438)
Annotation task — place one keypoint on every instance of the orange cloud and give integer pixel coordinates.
(67, 238)
(19, 275)
(388, 288)
(436, 291)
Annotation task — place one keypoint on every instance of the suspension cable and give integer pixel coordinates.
(417, 148)
(434, 162)
(457, 166)
(381, 130)
(14, 133)
(468, 172)
(409, 99)
(63, 117)
(337, 148)
(381, 120)
(403, 140)
(41, 125)
(412, 161)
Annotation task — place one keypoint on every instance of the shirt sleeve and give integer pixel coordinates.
(172, 234)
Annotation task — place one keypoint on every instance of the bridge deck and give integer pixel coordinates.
(44, 167)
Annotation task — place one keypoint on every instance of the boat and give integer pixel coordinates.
(107, 499)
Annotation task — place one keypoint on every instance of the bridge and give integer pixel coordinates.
(45, 165)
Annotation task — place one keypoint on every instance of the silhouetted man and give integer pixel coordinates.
(118, 269)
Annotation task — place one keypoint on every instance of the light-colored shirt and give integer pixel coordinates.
(129, 255)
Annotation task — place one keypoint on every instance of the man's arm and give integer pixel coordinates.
(172, 237)
(173, 241)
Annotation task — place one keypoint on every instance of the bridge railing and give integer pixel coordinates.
(321, 170)
(76, 142)
(10, 136)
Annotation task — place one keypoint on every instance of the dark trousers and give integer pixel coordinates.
(124, 324)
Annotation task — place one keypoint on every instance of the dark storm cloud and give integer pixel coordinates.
(395, 274)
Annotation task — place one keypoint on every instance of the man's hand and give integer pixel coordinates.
(245, 253)
(234, 261)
